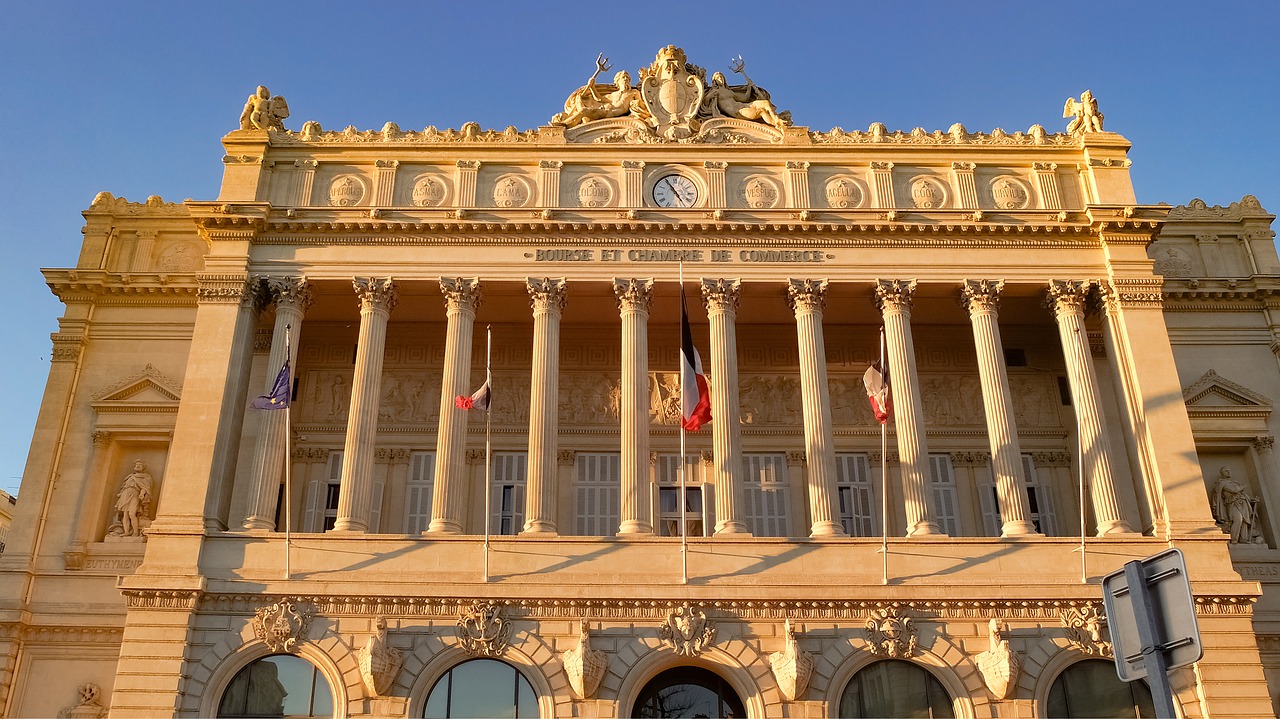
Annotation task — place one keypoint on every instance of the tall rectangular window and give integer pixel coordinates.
(597, 493)
(765, 494)
(943, 485)
(506, 510)
(1039, 501)
(421, 484)
(322, 497)
(858, 508)
(668, 524)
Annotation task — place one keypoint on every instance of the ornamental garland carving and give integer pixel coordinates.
(955, 135)
(583, 665)
(281, 625)
(891, 633)
(791, 667)
(1085, 628)
(483, 631)
(687, 630)
(379, 661)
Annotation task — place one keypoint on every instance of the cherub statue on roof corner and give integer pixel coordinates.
(264, 112)
(1085, 113)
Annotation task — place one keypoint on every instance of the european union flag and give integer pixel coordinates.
(279, 396)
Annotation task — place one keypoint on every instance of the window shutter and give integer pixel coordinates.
(765, 494)
(1040, 499)
(988, 497)
(858, 508)
(944, 493)
(510, 471)
(375, 504)
(597, 494)
(422, 469)
(313, 517)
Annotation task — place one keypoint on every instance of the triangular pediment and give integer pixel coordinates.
(1214, 390)
(147, 387)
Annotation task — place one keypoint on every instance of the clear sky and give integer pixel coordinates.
(133, 97)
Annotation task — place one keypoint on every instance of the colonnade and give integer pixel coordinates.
(807, 298)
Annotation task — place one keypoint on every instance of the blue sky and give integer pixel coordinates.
(133, 97)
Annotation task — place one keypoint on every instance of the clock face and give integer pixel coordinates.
(675, 191)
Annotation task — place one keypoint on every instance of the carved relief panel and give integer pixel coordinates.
(842, 192)
(1010, 193)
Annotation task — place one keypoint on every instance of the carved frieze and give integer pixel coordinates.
(379, 661)
(281, 625)
(891, 633)
(687, 630)
(1085, 628)
(791, 667)
(483, 631)
(583, 665)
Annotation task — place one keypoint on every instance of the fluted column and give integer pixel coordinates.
(377, 298)
(292, 297)
(1066, 299)
(461, 299)
(894, 297)
(634, 298)
(982, 299)
(808, 298)
(721, 298)
(547, 297)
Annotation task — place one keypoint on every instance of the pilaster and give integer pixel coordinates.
(384, 182)
(468, 170)
(882, 179)
(715, 170)
(632, 183)
(966, 189)
(1047, 183)
(798, 183)
(549, 183)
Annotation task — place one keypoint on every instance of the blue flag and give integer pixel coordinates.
(279, 396)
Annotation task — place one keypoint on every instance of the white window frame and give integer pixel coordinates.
(942, 487)
(1039, 502)
(419, 492)
(765, 486)
(668, 481)
(319, 508)
(856, 497)
(597, 493)
(510, 474)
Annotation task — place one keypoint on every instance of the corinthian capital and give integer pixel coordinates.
(895, 295)
(290, 291)
(981, 295)
(461, 292)
(721, 294)
(1066, 296)
(546, 294)
(807, 295)
(376, 293)
(633, 294)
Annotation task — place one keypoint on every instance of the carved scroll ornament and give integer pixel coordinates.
(1084, 629)
(281, 625)
(891, 633)
(688, 631)
(89, 705)
(483, 631)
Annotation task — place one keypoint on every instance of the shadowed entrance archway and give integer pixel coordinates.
(688, 693)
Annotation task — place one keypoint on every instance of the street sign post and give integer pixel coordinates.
(1152, 619)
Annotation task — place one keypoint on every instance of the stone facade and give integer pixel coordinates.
(1039, 325)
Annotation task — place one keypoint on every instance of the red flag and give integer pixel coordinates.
(876, 380)
(478, 400)
(695, 399)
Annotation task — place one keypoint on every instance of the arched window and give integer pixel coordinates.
(1091, 689)
(688, 692)
(481, 688)
(280, 685)
(895, 689)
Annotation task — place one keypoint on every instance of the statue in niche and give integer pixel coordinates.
(338, 395)
(664, 399)
(90, 706)
(263, 112)
(133, 503)
(1085, 112)
(1235, 510)
(590, 102)
(746, 102)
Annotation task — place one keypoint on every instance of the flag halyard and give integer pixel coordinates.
(695, 398)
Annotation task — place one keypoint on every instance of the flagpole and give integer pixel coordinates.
(684, 539)
(488, 444)
(884, 483)
(1084, 579)
(288, 459)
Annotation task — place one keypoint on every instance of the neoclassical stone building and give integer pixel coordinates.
(1041, 329)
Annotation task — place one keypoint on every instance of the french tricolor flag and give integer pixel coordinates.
(695, 400)
(876, 380)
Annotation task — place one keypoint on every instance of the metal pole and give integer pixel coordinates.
(1084, 576)
(884, 479)
(684, 539)
(288, 455)
(488, 444)
(1153, 657)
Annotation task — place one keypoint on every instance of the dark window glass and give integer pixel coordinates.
(481, 689)
(280, 685)
(895, 689)
(1015, 357)
(688, 692)
(1091, 689)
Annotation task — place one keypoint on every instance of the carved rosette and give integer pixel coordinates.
(281, 625)
(379, 661)
(791, 667)
(547, 294)
(981, 295)
(583, 665)
(1085, 628)
(292, 291)
(1066, 296)
(687, 630)
(721, 294)
(999, 665)
(633, 294)
(891, 633)
(376, 293)
(461, 293)
(807, 295)
(483, 631)
(895, 295)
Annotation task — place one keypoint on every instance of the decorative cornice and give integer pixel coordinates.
(155, 206)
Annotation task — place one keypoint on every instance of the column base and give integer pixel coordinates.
(1113, 528)
(826, 529)
(539, 529)
(349, 526)
(444, 526)
(1021, 528)
(926, 529)
(258, 523)
(632, 528)
(736, 529)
